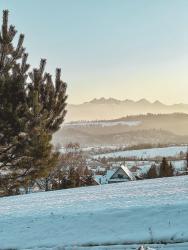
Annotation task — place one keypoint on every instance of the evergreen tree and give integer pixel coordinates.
(30, 112)
(166, 169)
(186, 162)
(14, 111)
(88, 177)
(47, 102)
(152, 173)
(171, 170)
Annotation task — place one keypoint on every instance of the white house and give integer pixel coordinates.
(122, 174)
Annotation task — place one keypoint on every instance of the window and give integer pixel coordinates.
(120, 176)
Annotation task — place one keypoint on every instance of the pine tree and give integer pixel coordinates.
(47, 102)
(152, 173)
(30, 112)
(171, 170)
(14, 111)
(88, 177)
(186, 163)
(166, 169)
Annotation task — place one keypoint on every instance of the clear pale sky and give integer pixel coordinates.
(109, 48)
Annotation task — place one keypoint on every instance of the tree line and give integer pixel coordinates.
(166, 169)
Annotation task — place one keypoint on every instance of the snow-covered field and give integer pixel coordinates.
(147, 153)
(114, 216)
(102, 123)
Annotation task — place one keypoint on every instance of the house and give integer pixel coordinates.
(134, 169)
(103, 179)
(94, 163)
(122, 174)
(100, 179)
(100, 170)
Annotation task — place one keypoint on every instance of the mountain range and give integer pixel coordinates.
(111, 108)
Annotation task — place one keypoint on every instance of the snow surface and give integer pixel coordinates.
(146, 153)
(114, 216)
(102, 123)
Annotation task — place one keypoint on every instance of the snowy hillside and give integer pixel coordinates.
(150, 211)
(147, 153)
(102, 123)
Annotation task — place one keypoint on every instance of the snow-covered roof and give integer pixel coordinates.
(109, 174)
(103, 179)
(100, 179)
(99, 168)
(127, 172)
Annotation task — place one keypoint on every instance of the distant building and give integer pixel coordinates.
(122, 174)
(95, 164)
(116, 164)
(134, 169)
(103, 179)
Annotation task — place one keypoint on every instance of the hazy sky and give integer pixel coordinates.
(113, 48)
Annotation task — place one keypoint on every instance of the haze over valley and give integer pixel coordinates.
(111, 108)
(130, 130)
